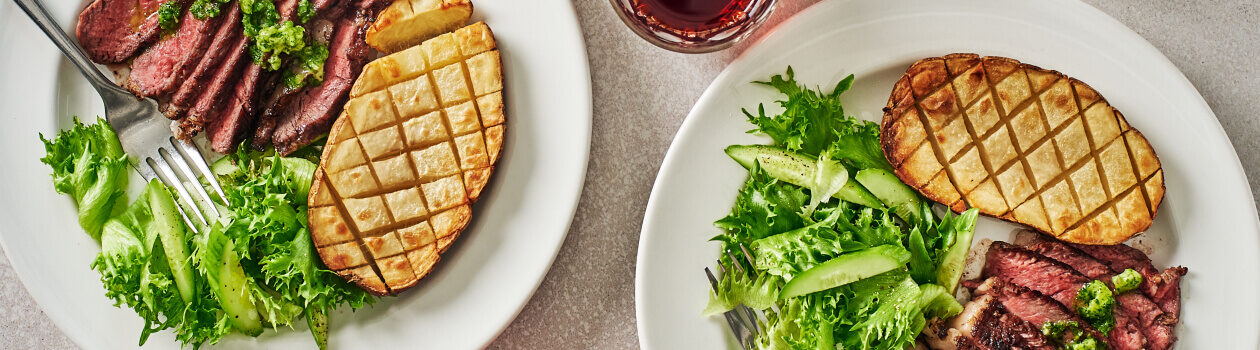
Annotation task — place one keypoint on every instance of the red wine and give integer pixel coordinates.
(691, 17)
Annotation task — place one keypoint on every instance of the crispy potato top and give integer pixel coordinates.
(414, 147)
(1024, 144)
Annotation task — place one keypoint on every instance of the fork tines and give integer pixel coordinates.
(181, 177)
(743, 321)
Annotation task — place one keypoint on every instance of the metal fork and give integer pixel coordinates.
(742, 320)
(143, 130)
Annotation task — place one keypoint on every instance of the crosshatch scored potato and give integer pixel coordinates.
(1024, 144)
(412, 151)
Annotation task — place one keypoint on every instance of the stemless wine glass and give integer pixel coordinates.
(693, 26)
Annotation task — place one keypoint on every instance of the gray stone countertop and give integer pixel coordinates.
(642, 94)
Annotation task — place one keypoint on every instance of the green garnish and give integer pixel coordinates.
(272, 41)
(305, 11)
(1095, 303)
(168, 15)
(1087, 343)
(1126, 281)
(309, 67)
(206, 9)
(1057, 330)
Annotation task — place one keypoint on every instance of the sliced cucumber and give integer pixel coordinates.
(228, 282)
(798, 169)
(318, 322)
(790, 167)
(955, 259)
(854, 193)
(903, 200)
(170, 229)
(233, 293)
(847, 268)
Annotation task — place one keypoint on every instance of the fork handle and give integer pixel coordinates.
(46, 23)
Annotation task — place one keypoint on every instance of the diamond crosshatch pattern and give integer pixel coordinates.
(411, 152)
(1021, 143)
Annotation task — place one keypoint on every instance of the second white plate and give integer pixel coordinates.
(477, 289)
(1208, 221)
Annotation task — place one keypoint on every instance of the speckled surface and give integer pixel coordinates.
(642, 94)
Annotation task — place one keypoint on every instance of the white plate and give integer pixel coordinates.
(1208, 221)
(480, 285)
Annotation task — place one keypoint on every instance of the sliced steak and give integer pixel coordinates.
(228, 126)
(1033, 271)
(226, 42)
(219, 90)
(1028, 305)
(111, 31)
(1155, 326)
(312, 112)
(1057, 280)
(226, 129)
(985, 324)
(163, 66)
(1162, 287)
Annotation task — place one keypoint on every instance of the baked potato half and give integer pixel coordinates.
(413, 149)
(1021, 143)
(406, 23)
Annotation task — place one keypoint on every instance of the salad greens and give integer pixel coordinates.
(251, 268)
(88, 164)
(848, 255)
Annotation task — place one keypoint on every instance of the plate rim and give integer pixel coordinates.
(582, 134)
(797, 19)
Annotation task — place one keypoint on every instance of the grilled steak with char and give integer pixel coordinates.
(985, 324)
(1162, 287)
(1029, 305)
(1061, 282)
(313, 111)
(226, 40)
(163, 66)
(111, 31)
(1155, 326)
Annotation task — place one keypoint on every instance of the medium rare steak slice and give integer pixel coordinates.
(1028, 305)
(985, 324)
(226, 129)
(226, 42)
(1033, 271)
(312, 112)
(1155, 325)
(1057, 280)
(163, 66)
(1162, 287)
(222, 85)
(111, 31)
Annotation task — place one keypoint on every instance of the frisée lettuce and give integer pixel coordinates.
(251, 268)
(833, 269)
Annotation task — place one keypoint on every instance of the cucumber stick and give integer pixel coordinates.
(903, 200)
(233, 292)
(951, 268)
(231, 287)
(170, 229)
(800, 170)
(845, 269)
